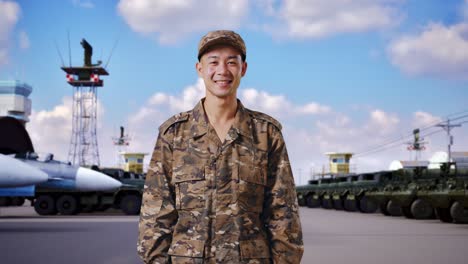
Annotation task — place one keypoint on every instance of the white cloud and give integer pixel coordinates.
(437, 51)
(423, 119)
(170, 21)
(24, 42)
(383, 122)
(320, 18)
(83, 4)
(9, 16)
(278, 105)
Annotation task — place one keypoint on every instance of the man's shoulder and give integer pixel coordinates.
(262, 117)
(175, 119)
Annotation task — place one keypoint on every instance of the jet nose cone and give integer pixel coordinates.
(90, 180)
(15, 173)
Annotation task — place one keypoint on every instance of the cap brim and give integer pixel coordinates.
(217, 42)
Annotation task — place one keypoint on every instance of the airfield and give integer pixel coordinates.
(330, 237)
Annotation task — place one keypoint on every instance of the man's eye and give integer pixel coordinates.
(232, 62)
(213, 62)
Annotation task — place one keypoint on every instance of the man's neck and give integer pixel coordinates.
(220, 110)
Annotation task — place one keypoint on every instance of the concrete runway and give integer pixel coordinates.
(330, 237)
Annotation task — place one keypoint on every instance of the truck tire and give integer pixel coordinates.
(17, 201)
(67, 205)
(459, 213)
(311, 202)
(130, 204)
(301, 201)
(45, 205)
(327, 203)
(350, 205)
(421, 209)
(443, 214)
(383, 209)
(367, 206)
(338, 204)
(406, 211)
(394, 209)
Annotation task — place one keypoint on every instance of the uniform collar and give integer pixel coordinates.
(242, 123)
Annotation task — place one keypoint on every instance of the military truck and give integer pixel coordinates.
(52, 200)
(449, 195)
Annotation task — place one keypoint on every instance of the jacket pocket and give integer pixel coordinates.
(190, 189)
(254, 249)
(251, 186)
(187, 248)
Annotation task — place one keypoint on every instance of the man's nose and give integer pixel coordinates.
(222, 68)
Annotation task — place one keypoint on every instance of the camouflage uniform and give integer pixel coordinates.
(207, 201)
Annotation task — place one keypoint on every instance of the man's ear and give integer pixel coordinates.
(198, 68)
(244, 68)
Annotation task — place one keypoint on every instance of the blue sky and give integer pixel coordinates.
(340, 75)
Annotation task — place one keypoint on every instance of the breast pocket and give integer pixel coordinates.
(252, 175)
(190, 188)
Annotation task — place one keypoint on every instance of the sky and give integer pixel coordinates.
(340, 75)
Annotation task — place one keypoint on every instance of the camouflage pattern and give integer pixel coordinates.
(206, 201)
(221, 37)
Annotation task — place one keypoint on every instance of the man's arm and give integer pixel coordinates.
(281, 210)
(158, 215)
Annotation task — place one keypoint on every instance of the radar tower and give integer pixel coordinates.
(85, 80)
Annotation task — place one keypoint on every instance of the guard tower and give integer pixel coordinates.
(339, 162)
(133, 161)
(85, 80)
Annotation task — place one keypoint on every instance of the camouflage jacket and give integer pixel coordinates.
(205, 201)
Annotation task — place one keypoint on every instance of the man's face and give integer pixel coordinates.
(222, 69)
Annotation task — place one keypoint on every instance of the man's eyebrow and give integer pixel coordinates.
(213, 57)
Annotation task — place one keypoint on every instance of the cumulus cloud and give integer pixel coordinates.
(9, 16)
(321, 18)
(437, 51)
(424, 119)
(382, 121)
(170, 21)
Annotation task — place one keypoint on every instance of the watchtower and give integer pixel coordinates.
(85, 80)
(339, 162)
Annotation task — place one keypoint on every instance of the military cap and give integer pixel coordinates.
(224, 37)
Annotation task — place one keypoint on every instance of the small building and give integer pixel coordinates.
(339, 162)
(14, 101)
(133, 162)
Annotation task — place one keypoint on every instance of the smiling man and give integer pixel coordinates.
(219, 188)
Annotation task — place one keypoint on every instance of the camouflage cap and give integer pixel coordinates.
(218, 37)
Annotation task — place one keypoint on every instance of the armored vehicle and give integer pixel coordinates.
(449, 196)
(52, 199)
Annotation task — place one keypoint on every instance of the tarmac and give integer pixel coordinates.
(330, 237)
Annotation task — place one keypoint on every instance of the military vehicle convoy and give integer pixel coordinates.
(417, 193)
(52, 200)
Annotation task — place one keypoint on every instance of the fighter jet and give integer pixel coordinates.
(66, 176)
(14, 173)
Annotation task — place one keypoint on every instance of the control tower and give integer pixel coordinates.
(85, 80)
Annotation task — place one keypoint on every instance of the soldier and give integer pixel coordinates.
(219, 188)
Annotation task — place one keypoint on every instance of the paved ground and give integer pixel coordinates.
(330, 237)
